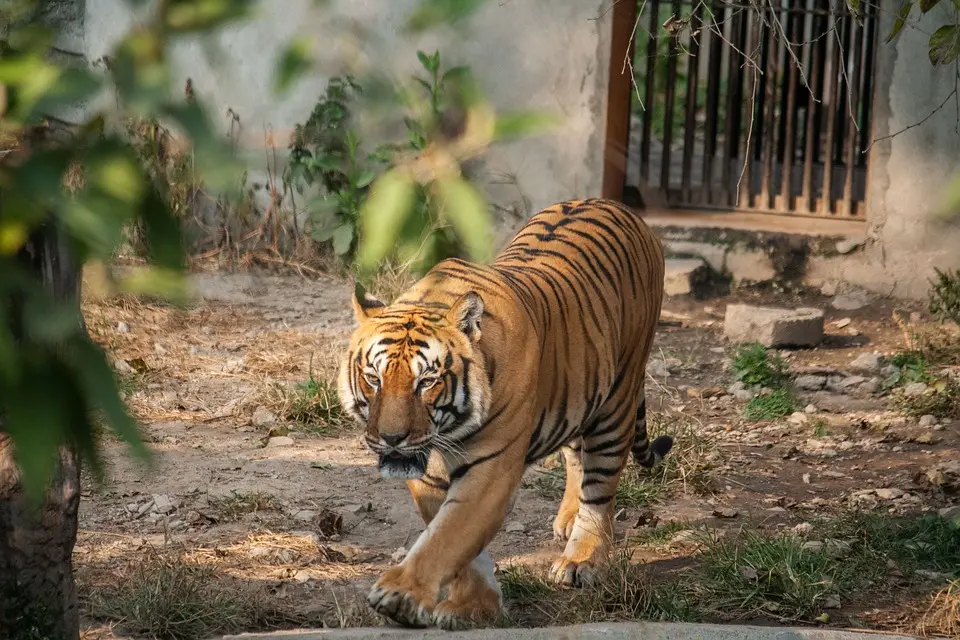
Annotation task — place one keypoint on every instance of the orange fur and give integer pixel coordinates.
(479, 370)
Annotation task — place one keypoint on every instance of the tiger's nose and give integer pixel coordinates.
(392, 439)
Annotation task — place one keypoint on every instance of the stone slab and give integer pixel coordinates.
(773, 326)
(682, 276)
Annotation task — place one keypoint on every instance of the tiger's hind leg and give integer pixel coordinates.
(605, 451)
(570, 504)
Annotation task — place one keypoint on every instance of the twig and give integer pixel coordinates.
(915, 124)
(626, 57)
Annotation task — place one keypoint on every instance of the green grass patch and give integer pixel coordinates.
(754, 365)
(660, 534)
(772, 406)
(941, 399)
(314, 405)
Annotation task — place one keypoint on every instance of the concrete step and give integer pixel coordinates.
(611, 631)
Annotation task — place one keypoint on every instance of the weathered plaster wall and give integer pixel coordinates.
(528, 54)
(909, 173)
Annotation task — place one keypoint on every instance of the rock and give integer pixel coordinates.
(831, 602)
(928, 421)
(515, 527)
(263, 417)
(194, 517)
(806, 478)
(950, 513)
(234, 365)
(305, 515)
(303, 576)
(914, 389)
(888, 494)
(133, 507)
(925, 438)
(749, 573)
(866, 362)
(123, 327)
(280, 441)
(841, 323)
(122, 367)
(798, 418)
(869, 386)
(772, 326)
(683, 276)
(945, 475)
(803, 528)
(810, 382)
(164, 504)
(849, 243)
(658, 368)
(398, 555)
(726, 513)
(259, 552)
(829, 289)
(813, 546)
(850, 301)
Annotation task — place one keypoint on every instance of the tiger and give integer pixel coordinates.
(479, 370)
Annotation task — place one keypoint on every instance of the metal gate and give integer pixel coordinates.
(761, 107)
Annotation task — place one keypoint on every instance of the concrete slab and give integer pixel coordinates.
(618, 631)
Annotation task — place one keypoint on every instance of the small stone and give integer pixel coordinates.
(849, 243)
(194, 517)
(123, 367)
(850, 301)
(866, 362)
(123, 327)
(831, 602)
(869, 386)
(234, 365)
(928, 421)
(842, 322)
(806, 478)
(726, 513)
(798, 418)
(810, 409)
(164, 504)
(399, 554)
(133, 507)
(749, 573)
(888, 494)
(683, 276)
(658, 368)
(914, 389)
(772, 326)
(950, 513)
(263, 417)
(925, 438)
(829, 289)
(159, 349)
(803, 528)
(813, 546)
(810, 382)
(280, 441)
(303, 576)
(258, 552)
(515, 527)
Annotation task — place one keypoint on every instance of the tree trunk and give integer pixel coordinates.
(38, 599)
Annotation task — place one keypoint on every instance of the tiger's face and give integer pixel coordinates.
(416, 378)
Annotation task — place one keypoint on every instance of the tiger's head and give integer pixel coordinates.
(415, 376)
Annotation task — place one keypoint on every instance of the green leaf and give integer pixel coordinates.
(432, 13)
(169, 284)
(204, 15)
(424, 59)
(100, 387)
(382, 215)
(216, 163)
(522, 123)
(73, 86)
(343, 239)
(467, 210)
(950, 207)
(926, 5)
(945, 44)
(902, 15)
(161, 231)
(48, 321)
(294, 62)
(365, 178)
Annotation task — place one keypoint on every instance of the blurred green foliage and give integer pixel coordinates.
(56, 386)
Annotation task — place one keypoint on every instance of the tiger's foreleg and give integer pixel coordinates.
(605, 450)
(452, 546)
(474, 594)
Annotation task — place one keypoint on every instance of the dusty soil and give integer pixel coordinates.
(211, 378)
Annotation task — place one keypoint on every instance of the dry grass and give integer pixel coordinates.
(163, 595)
(943, 615)
(236, 505)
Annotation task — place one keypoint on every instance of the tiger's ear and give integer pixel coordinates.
(465, 315)
(365, 306)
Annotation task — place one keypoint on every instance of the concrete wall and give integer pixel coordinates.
(910, 172)
(528, 54)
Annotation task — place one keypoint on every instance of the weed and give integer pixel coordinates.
(315, 405)
(774, 576)
(911, 367)
(776, 404)
(944, 296)
(25, 618)
(621, 590)
(820, 428)
(236, 505)
(753, 365)
(943, 616)
(692, 459)
(941, 399)
(163, 596)
(661, 534)
(632, 490)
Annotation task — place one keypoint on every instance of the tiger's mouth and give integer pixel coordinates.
(406, 467)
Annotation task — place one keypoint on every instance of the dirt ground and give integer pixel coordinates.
(307, 522)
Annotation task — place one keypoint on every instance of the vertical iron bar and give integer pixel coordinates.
(650, 103)
(690, 117)
(731, 136)
(669, 100)
(745, 197)
(772, 79)
(789, 140)
(712, 114)
(830, 104)
(851, 160)
(814, 105)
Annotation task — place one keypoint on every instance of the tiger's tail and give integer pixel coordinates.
(648, 454)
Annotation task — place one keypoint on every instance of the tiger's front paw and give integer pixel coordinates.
(400, 599)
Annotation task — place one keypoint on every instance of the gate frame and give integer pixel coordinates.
(616, 153)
